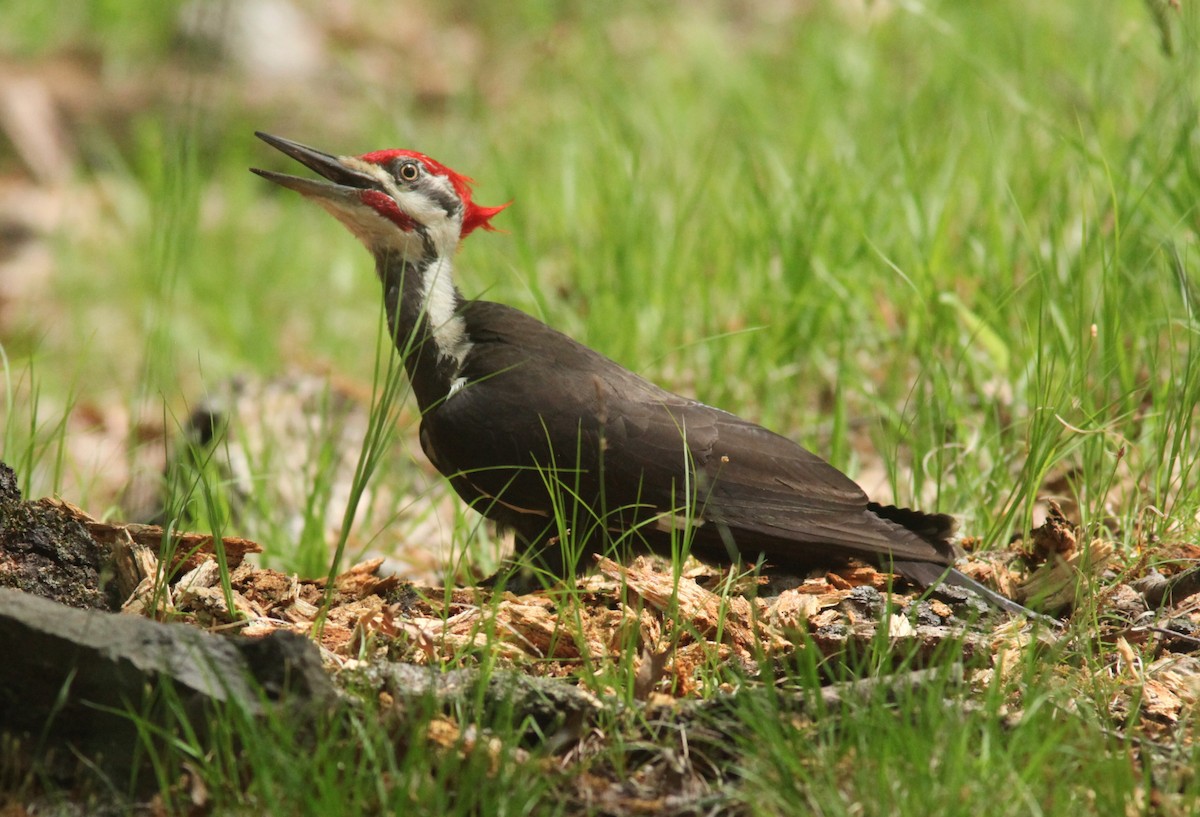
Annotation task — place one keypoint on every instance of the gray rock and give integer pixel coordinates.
(69, 677)
(554, 711)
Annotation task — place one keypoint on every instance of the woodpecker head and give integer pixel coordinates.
(395, 201)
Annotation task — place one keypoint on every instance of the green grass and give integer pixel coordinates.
(952, 244)
(347, 760)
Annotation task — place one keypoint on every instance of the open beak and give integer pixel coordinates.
(343, 183)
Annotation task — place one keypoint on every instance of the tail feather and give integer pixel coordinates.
(934, 528)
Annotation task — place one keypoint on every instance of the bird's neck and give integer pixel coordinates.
(424, 310)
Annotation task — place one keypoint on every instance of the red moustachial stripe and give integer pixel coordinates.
(385, 205)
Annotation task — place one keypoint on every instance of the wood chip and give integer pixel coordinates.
(1054, 584)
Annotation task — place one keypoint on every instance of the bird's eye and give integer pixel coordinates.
(409, 171)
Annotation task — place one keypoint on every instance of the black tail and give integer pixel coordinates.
(934, 528)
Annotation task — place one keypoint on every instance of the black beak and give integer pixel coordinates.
(344, 180)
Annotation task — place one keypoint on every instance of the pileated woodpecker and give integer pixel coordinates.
(533, 428)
